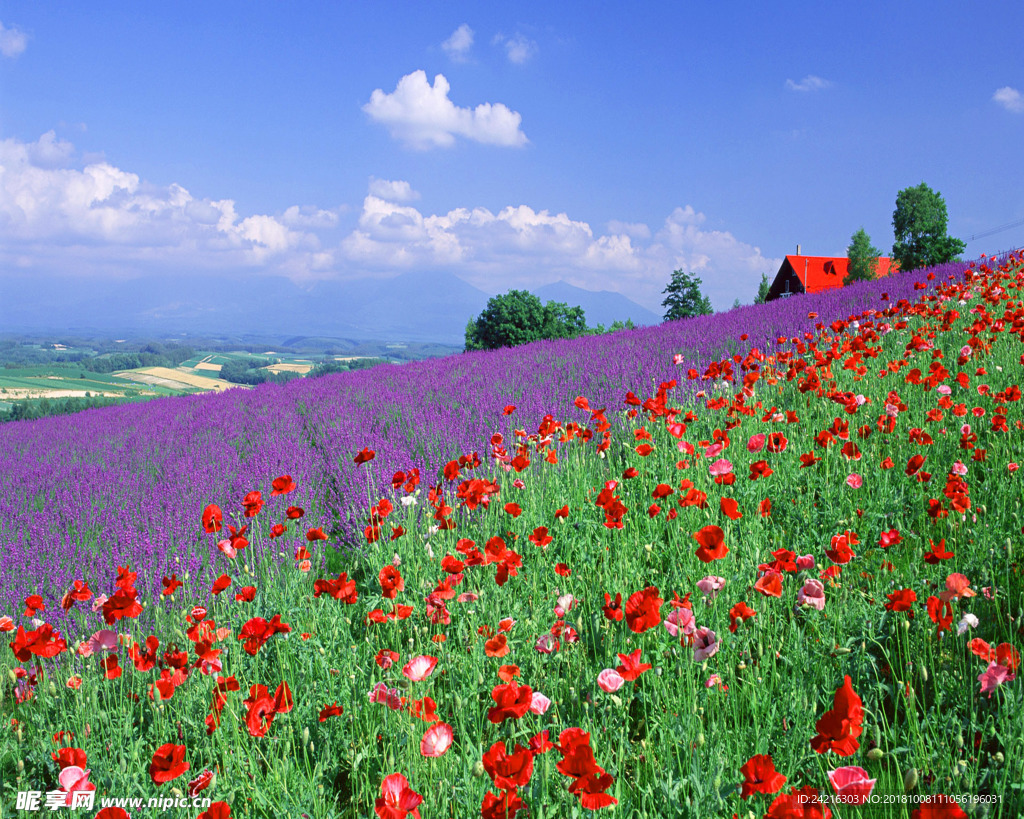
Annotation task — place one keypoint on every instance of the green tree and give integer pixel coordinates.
(863, 258)
(919, 225)
(515, 318)
(563, 321)
(683, 297)
(762, 289)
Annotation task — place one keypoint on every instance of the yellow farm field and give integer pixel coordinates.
(174, 379)
(302, 367)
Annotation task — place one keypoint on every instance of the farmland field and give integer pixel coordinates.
(761, 563)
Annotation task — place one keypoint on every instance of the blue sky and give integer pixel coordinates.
(597, 143)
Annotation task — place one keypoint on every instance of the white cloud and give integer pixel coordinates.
(392, 190)
(102, 216)
(636, 230)
(423, 117)
(522, 247)
(12, 41)
(1010, 99)
(518, 49)
(808, 83)
(458, 45)
(62, 212)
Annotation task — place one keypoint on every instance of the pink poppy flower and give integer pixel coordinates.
(705, 644)
(805, 562)
(756, 442)
(993, 677)
(812, 594)
(959, 469)
(419, 668)
(680, 619)
(546, 644)
(610, 680)
(712, 450)
(102, 640)
(437, 739)
(711, 586)
(723, 466)
(852, 783)
(467, 597)
(854, 481)
(539, 704)
(73, 779)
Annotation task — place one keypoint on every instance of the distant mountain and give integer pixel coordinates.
(409, 307)
(600, 307)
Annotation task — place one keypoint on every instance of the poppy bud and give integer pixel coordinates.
(305, 735)
(960, 740)
(910, 780)
(21, 762)
(906, 625)
(177, 793)
(876, 754)
(53, 690)
(478, 769)
(876, 734)
(700, 740)
(998, 758)
(312, 747)
(924, 673)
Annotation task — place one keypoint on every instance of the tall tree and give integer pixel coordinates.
(683, 297)
(919, 224)
(863, 258)
(518, 317)
(762, 289)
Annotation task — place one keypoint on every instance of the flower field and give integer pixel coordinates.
(765, 563)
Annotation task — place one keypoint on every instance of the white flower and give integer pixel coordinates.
(966, 622)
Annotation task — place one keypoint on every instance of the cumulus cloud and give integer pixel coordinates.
(458, 45)
(392, 190)
(422, 116)
(808, 83)
(104, 216)
(522, 247)
(518, 49)
(12, 41)
(1010, 99)
(62, 212)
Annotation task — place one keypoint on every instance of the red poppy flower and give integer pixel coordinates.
(511, 701)
(769, 584)
(800, 803)
(43, 642)
(760, 776)
(938, 552)
(577, 755)
(562, 513)
(643, 610)
(612, 610)
(168, 763)
(217, 810)
(419, 668)
(840, 550)
(315, 534)
(397, 799)
(391, 582)
(212, 518)
(246, 594)
(902, 600)
(497, 646)
(200, 783)
(508, 771)
(342, 588)
(631, 667)
(839, 728)
(776, 442)
(591, 788)
(939, 806)
(501, 806)
(330, 711)
(282, 485)
(941, 612)
(730, 508)
(220, 584)
(171, 584)
(78, 593)
(257, 631)
(294, 512)
(365, 455)
(123, 603)
(562, 569)
(67, 757)
(740, 612)
(712, 544)
(513, 509)
(252, 503)
(121, 813)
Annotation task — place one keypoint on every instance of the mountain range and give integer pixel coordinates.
(409, 307)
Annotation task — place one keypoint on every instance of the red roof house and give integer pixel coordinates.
(813, 274)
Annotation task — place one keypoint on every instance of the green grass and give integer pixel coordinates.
(674, 741)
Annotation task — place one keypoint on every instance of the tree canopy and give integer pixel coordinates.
(683, 297)
(919, 225)
(518, 317)
(863, 258)
(762, 289)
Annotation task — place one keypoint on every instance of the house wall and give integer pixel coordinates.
(786, 283)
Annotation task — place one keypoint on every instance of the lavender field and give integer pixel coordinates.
(126, 485)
